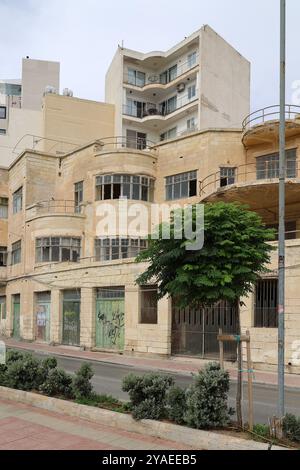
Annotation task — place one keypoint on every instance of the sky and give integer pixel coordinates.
(84, 34)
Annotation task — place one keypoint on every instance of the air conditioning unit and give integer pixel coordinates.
(68, 92)
(153, 79)
(50, 90)
(181, 87)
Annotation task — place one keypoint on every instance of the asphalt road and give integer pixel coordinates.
(108, 380)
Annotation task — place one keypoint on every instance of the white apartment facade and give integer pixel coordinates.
(200, 83)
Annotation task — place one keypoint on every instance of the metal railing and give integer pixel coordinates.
(57, 206)
(247, 174)
(153, 109)
(123, 142)
(43, 144)
(270, 113)
(162, 78)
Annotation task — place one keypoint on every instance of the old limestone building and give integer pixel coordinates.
(64, 281)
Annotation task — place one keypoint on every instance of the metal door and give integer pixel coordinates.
(195, 331)
(43, 303)
(16, 316)
(110, 308)
(71, 318)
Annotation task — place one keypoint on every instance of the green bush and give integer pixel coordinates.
(176, 404)
(82, 386)
(13, 356)
(23, 372)
(261, 430)
(3, 369)
(291, 427)
(147, 394)
(206, 399)
(58, 383)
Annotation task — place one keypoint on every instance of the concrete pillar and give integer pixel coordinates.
(56, 316)
(164, 308)
(27, 312)
(87, 318)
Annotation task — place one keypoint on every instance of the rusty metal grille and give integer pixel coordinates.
(195, 331)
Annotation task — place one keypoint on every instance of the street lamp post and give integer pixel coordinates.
(281, 244)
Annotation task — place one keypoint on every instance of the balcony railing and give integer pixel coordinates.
(123, 142)
(247, 174)
(66, 207)
(271, 113)
(161, 78)
(152, 109)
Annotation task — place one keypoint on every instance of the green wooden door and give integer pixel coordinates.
(43, 303)
(16, 316)
(110, 307)
(71, 318)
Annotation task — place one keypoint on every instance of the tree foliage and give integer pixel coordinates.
(234, 255)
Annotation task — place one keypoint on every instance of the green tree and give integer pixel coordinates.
(235, 254)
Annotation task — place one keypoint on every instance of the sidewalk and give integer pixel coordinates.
(179, 365)
(23, 427)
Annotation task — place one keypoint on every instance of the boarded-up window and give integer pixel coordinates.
(149, 305)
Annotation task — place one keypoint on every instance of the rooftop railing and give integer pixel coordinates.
(271, 113)
(162, 78)
(123, 142)
(247, 174)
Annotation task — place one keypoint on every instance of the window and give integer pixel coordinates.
(148, 305)
(107, 249)
(290, 230)
(227, 176)
(181, 186)
(2, 112)
(2, 131)
(192, 58)
(140, 188)
(136, 78)
(57, 249)
(268, 165)
(18, 201)
(2, 308)
(168, 106)
(169, 75)
(191, 92)
(3, 256)
(266, 304)
(170, 134)
(16, 253)
(136, 140)
(3, 208)
(191, 124)
(78, 193)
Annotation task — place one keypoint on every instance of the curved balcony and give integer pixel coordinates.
(54, 207)
(254, 184)
(263, 125)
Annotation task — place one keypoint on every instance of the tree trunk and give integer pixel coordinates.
(239, 412)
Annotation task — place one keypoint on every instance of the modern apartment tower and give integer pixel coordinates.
(200, 83)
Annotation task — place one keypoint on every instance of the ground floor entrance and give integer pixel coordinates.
(71, 318)
(195, 331)
(42, 317)
(110, 315)
(16, 305)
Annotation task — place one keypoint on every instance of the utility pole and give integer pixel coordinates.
(281, 244)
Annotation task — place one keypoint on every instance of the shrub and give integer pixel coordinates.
(13, 356)
(23, 372)
(49, 363)
(82, 386)
(262, 430)
(291, 427)
(3, 369)
(206, 399)
(147, 394)
(58, 383)
(176, 404)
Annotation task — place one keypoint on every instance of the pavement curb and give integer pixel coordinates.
(202, 440)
